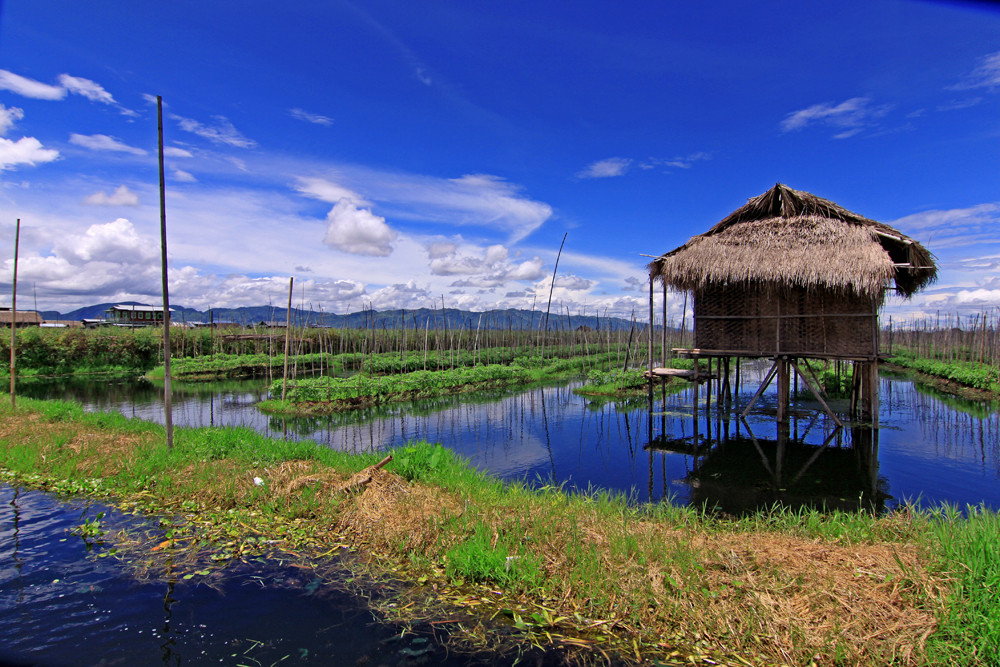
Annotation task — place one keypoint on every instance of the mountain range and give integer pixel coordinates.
(447, 318)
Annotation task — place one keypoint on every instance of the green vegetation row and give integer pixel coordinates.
(367, 389)
(326, 393)
(66, 351)
(594, 575)
(967, 373)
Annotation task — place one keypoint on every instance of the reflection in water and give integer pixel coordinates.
(687, 449)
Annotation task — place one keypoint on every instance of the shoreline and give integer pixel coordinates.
(585, 575)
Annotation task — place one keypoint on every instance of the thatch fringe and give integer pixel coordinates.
(793, 238)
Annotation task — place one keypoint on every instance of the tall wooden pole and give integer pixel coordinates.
(288, 331)
(551, 287)
(167, 408)
(13, 315)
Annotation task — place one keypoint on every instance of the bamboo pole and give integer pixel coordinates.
(13, 316)
(552, 287)
(167, 407)
(288, 331)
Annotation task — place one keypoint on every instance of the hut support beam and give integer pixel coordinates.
(816, 393)
(760, 390)
(784, 388)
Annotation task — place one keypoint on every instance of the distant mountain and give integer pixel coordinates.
(421, 318)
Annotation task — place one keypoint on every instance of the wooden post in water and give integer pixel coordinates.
(167, 407)
(784, 386)
(288, 331)
(13, 316)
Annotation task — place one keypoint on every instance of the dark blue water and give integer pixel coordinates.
(929, 448)
(62, 603)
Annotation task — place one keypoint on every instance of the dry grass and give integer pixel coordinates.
(649, 584)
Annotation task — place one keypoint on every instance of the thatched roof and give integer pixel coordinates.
(788, 237)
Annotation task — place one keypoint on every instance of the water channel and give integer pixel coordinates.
(61, 604)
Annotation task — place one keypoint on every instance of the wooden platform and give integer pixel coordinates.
(689, 375)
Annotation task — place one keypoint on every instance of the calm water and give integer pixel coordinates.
(930, 448)
(61, 604)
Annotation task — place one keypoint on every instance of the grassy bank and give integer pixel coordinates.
(981, 376)
(501, 565)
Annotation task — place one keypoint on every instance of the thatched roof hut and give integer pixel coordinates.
(790, 257)
(789, 237)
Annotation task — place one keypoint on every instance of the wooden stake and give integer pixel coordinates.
(13, 316)
(288, 331)
(167, 407)
(551, 287)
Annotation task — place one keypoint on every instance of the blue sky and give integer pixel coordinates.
(395, 154)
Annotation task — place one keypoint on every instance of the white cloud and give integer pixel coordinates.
(474, 199)
(607, 168)
(116, 241)
(87, 88)
(102, 142)
(29, 87)
(301, 114)
(985, 75)
(9, 116)
(680, 162)
(328, 191)
(222, 133)
(492, 269)
(358, 231)
(850, 116)
(26, 150)
(402, 295)
(441, 249)
(122, 196)
(182, 176)
(173, 151)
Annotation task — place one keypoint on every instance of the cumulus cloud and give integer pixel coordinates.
(26, 150)
(102, 142)
(402, 295)
(25, 87)
(439, 249)
(492, 268)
(116, 241)
(850, 116)
(317, 119)
(9, 116)
(122, 196)
(574, 283)
(358, 231)
(223, 132)
(607, 168)
(182, 176)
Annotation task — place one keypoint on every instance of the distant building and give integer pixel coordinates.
(25, 318)
(62, 324)
(135, 316)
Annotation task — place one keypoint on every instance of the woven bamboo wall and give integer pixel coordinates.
(783, 320)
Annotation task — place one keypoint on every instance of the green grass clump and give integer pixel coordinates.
(968, 549)
(486, 557)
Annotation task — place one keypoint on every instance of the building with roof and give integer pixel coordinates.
(135, 316)
(22, 318)
(793, 276)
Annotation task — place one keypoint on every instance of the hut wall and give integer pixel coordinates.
(765, 321)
